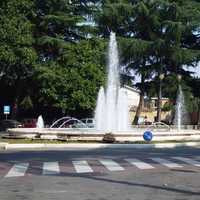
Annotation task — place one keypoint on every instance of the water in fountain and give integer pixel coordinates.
(122, 109)
(112, 107)
(40, 122)
(180, 110)
(99, 111)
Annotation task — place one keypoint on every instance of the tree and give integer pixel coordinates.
(162, 29)
(17, 55)
(66, 56)
(137, 63)
(116, 16)
(179, 26)
(59, 22)
(71, 84)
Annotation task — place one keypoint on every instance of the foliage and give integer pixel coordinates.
(52, 57)
(73, 82)
(17, 53)
(26, 103)
(167, 107)
(158, 37)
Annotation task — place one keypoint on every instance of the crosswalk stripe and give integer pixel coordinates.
(18, 170)
(139, 164)
(82, 166)
(188, 160)
(111, 165)
(50, 168)
(166, 163)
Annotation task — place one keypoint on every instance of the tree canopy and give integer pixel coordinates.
(53, 53)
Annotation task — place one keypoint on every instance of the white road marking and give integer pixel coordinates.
(50, 168)
(18, 170)
(188, 161)
(166, 163)
(139, 164)
(111, 165)
(82, 166)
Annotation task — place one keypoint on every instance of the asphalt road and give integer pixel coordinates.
(101, 174)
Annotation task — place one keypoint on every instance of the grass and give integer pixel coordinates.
(44, 141)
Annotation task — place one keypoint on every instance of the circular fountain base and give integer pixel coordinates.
(132, 135)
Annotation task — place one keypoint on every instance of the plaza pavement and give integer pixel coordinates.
(100, 174)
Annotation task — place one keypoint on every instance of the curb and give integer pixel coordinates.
(7, 146)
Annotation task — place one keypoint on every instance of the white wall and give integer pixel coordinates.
(133, 97)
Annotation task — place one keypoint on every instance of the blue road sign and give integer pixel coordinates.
(148, 136)
(6, 110)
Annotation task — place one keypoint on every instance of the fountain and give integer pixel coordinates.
(180, 110)
(112, 104)
(111, 115)
(40, 122)
(99, 120)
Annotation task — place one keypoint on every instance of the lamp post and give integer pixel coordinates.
(179, 77)
(161, 77)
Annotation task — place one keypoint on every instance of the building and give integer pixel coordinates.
(133, 97)
(149, 111)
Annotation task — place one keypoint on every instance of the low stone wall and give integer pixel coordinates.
(84, 135)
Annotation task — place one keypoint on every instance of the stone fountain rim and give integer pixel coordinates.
(85, 132)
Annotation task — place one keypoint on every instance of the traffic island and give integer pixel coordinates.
(94, 135)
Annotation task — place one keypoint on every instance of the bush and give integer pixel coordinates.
(109, 138)
(167, 107)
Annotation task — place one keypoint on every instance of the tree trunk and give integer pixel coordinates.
(159, 103)
(198, 122)
(141, 103)
(15, 109)
(139, 109)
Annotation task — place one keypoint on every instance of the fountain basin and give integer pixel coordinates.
(86, 134)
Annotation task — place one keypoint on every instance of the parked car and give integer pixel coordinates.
(29, 123)
(8, 123)
(90, 122)
(78, 125)
(74, 123)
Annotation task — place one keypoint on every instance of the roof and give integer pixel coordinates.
(155, 98)
(132, 89)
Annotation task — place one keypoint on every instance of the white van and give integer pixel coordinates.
(90, 122)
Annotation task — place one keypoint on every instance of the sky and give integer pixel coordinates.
(196, 71)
